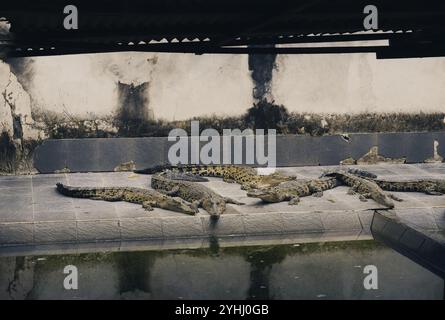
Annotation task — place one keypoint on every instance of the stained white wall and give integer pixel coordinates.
(187, 85)
(346, 83)
(181, 85)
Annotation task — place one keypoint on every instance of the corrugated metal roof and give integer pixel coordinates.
(105, 25)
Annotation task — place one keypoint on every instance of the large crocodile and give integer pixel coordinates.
(367, 188)
(198, 194)
(247, 177)
(148, 198)
(428, 186)
(292, 190)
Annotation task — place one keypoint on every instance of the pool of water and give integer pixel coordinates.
(327, 270)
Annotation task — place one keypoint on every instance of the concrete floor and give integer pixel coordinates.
(33, 213)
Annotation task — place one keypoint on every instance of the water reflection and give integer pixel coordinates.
(261, 262)
(134, 270)
(300, 271)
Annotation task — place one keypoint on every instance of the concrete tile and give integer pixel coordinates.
(381, 170)
(432, 168)
(429, 200)
(340, 221)
(24, 215)
(125, 181)
(141, 245)
(130, 210)
(302, 222)
(439, 217)
(16, 192)
(343, 235)
(183, 243)
(15, 208)
(87, 209)
(227, 225)
(98, 230)
(49, 232)
(100, 246)
(55, 215)
(15, 182)
(53, 206)
(47, 192)
(16, 233)
(182, 227)
(141, 228)
(92, 181)
(263, 224)
(379, 221)
(365, 218)
(41, 181)
(419, 218)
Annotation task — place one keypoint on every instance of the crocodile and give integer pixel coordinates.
(185, 176)
(247, 177)
(292, 190)
(198, 194)
(367, 188)
(148, 198)
(429, 186)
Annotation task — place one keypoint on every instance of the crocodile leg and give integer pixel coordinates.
(364, 197)
(228, 180)
(173, 192)
(394, 197)
(148, 205)
(351, 191)
(433, 192)
(197, 203)
(294, 201)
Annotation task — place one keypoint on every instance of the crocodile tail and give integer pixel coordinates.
(154, 169)
(76, 192)
(362, 173)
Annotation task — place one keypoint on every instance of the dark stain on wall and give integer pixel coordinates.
(133, 101)
(261, 67)
(17, 127)
(23, 70)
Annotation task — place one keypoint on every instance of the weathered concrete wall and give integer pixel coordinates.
(346, 83)
(181, 86)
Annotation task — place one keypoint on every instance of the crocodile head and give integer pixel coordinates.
(267, 194)
(383, 199)
(178, 205)
(214, 206)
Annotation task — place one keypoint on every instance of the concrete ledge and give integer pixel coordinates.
(177, 244)
(426, 246)
(34, 214)
(102, 155)
(168, 228)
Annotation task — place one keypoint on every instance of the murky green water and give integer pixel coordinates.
(301, 271)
